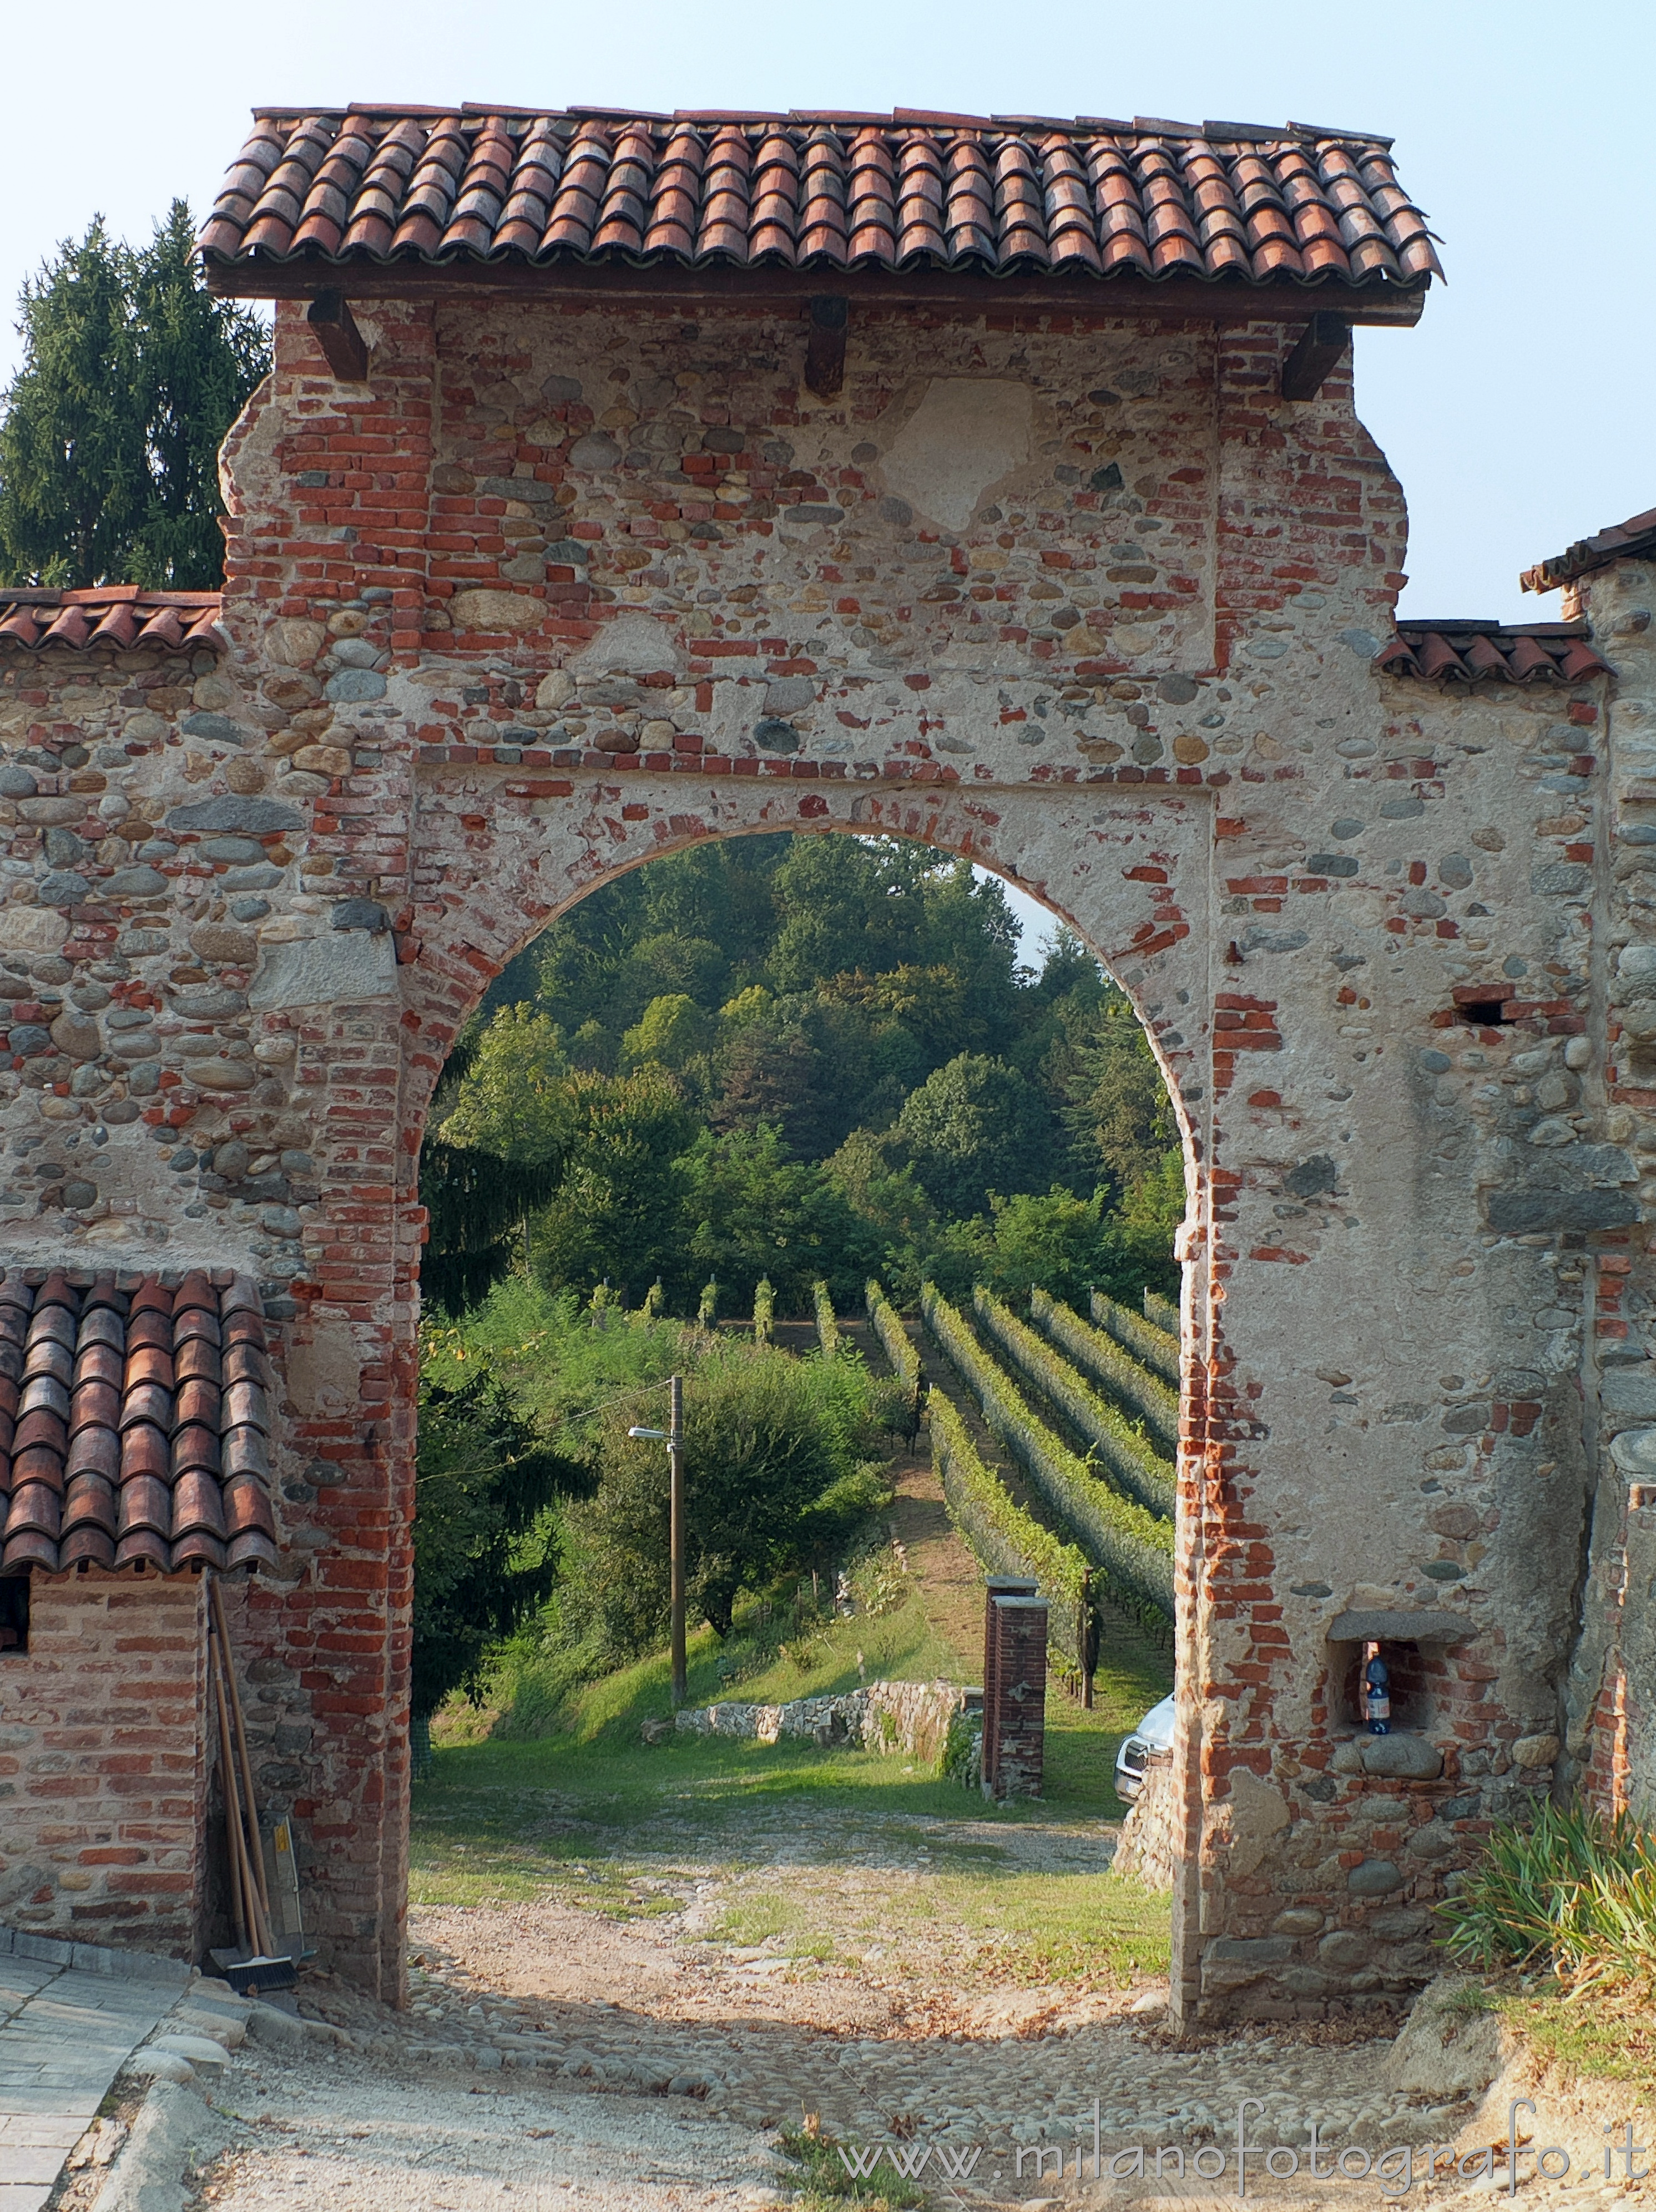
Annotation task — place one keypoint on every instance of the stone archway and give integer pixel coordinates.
(1094, 588)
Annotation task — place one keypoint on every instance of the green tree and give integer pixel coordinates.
(672, 1030)
(200, 360)
(751, 1211)
(615, 1214)
(132, 374)
(1113, 1101)
(768, 1440)
(976, 1126)
(484, 1555)
(513, 1099)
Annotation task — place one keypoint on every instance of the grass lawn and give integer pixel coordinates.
(840, 1855)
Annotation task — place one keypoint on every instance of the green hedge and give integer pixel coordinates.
(883, 1319)
(1151, 1346)
(1106, 1362)
(1004, 1539)
(707, 1311)
(1130, 1462)
(765, 1312)
(1132, 1546)
(827, 1327)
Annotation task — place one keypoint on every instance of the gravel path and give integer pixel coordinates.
(555, 2058)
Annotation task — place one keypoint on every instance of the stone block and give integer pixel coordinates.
(482, 610)
(1403, 1757)
(343, 967)
(1374, 1878)
(1376, 1624)
(1344, 1950)
(1532, 1752)
(255, 817)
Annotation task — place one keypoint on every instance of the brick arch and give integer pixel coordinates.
(499, 859)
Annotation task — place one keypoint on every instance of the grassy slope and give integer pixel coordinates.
(553, 1793)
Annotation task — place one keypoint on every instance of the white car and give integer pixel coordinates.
(1153, 1733)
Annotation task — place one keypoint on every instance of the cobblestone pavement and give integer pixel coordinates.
(581, 2063)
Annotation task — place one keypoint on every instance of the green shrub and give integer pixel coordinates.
(764, 1312)
(888, 1325)
(1132, 1547)
(1126, 1378)
(1130, 1462)
(1161, 1313)
(1574, 1890)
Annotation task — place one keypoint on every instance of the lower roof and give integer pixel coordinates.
(135, 1423)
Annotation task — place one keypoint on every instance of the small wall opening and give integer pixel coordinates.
(1410, 1696)
(14, 1615)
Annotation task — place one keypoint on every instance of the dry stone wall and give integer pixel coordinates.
(562, 588)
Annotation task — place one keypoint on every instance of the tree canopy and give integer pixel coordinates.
(800, 1058)
(132, 374)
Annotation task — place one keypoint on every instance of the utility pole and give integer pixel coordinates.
(676, 1533)
(674, 1437)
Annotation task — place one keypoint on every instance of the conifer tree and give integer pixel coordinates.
(132, 375)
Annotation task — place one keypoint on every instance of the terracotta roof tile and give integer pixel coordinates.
(1505, 653)
(1634, 539)
(1240, 202)
(134, 1428)
(118, 616)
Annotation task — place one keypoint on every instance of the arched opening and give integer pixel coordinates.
(799, 1004)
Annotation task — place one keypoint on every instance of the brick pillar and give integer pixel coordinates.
(996, 1586)
(1014, 1715)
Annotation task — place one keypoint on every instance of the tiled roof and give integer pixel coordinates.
(134, 1427)
(1478, 651)
(1248, 203)
(1634, 539)
(115, 614)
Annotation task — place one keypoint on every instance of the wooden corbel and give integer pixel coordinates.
(824, 349)
(337, 333)
(1321, 344)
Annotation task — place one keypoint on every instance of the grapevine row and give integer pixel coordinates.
(1130, 1545)
(1129, 1463)
(1106, 1362)
(1161, 1313)
(764, 1312)
(893, 1337)
(1151, 1346)
(1004, 1539)
(827, 1327)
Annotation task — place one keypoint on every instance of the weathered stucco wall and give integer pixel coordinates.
(563, 588)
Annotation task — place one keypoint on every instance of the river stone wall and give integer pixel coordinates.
(560, 588)
(911, 1718)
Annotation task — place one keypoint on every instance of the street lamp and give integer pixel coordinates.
(674, 1437)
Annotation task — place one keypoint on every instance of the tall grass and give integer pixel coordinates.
(1575, 1890)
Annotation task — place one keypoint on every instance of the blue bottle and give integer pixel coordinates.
(1377, 1696)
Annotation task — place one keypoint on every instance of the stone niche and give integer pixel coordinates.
(1413, 1646)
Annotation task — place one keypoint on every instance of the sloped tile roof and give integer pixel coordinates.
(134, 1427)
(1634, 539)
(1246, 203)
(1479, 651)
(115, 614)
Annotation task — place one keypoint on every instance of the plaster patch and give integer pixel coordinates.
(965, 435)
(632, 644)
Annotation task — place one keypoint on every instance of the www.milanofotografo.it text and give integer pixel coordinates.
(1394, 2170)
